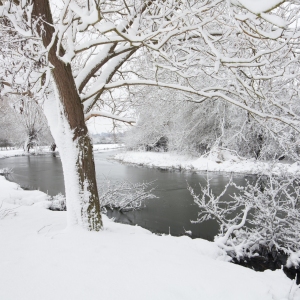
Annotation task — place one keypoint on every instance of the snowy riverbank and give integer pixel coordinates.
(46, 149)
(40, 259)
(216, 162)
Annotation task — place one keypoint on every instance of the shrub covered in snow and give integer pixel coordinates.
(58, 202)
(263, 217)
(6, 171)
(122, 195)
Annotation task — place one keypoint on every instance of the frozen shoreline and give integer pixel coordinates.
(220, 162)
(40, 259)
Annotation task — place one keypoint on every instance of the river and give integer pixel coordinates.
(170, 213)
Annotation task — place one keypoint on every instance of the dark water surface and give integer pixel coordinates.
(170, 213)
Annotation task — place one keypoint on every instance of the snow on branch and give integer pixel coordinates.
(257, 6)
(203, 93)
(97, 113)
(241, 51)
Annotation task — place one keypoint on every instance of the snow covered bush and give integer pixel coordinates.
(22, 123)
(58, 202)
(6, 171)
(263, 217)
(122, 195)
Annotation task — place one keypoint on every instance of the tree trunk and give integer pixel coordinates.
(70, 133)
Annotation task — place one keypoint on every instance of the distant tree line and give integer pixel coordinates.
(196, 129)
(107, 138)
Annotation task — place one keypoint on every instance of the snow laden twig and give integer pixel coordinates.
(264, 217)
(214, 207)
(121, 195)
(4, 212)
(124, 195)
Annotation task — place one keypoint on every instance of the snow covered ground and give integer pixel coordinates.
(11, 152)
(42, 259)
(107, 147)
(218, 162)
(46, 149)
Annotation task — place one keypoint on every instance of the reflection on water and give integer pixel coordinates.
(42, 172)
(170, 213)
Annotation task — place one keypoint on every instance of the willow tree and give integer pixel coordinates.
(78, 56)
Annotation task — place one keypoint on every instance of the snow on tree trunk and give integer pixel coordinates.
(77, 158)
(70, 134)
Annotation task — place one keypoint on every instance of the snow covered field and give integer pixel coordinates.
(11, 153)
(108, 147)
(217, 162)
(46, 149)
(42, 259)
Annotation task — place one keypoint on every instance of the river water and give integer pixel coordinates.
(171, 212)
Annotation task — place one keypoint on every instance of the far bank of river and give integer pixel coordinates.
(221, 161)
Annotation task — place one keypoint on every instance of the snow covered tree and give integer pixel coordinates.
(78, 55)
(199, 128)
(32, 123)
(23, 123)
(6, 124)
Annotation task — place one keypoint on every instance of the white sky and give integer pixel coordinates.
(99, 124)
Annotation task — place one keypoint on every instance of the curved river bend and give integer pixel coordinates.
(170, 213)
